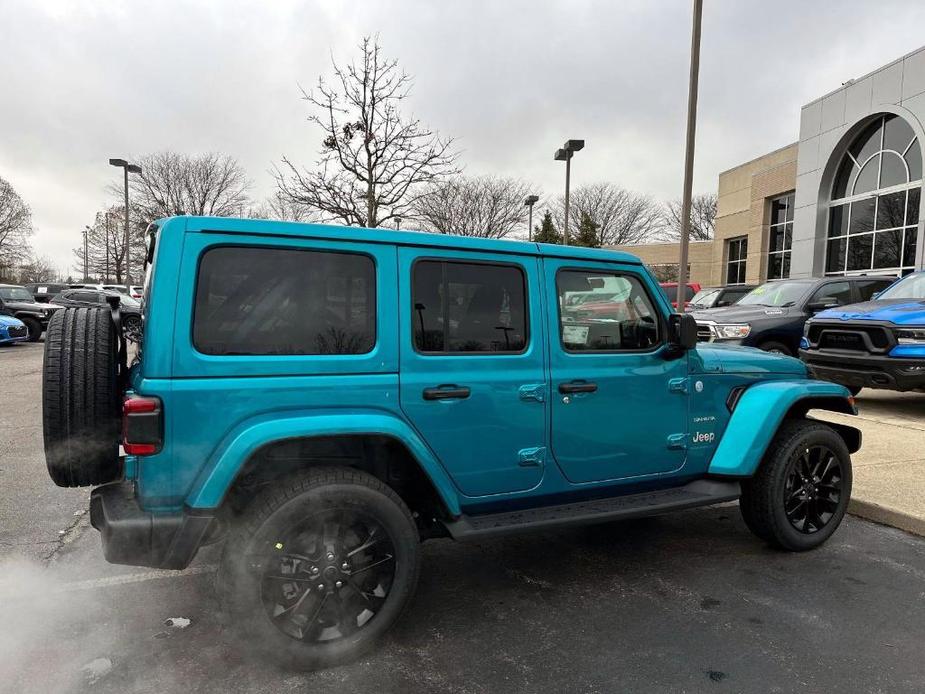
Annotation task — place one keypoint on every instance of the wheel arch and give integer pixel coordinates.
(761, 410)
(272, 445)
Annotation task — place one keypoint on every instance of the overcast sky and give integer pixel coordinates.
(511, 80)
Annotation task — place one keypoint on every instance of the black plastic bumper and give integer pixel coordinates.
(866, 371)
(139, 538)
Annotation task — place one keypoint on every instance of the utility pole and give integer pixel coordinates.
(127, 168)
(530, 201)
(86, 232)
(565, 154)
(689, 154)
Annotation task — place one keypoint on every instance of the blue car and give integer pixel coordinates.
(875, 344)
(12, 330)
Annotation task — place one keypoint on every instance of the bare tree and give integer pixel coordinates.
(15, 229)
(703, 218)
(106, 246)
(277, 206)
(623, 217)
(38, 269)
(373, 162)
(171, 183)
(483, 206)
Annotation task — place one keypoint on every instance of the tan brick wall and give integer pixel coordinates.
(700, 254)
(742, 209)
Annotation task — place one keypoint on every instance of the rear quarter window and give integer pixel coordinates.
(271, 301)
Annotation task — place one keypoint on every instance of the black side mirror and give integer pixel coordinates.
(721, 303)
(682, 331)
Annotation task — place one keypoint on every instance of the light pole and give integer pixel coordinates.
(86, 232)
(565, 154)
(530, 201)
(127, 168)
(689, 154)
(398, 222)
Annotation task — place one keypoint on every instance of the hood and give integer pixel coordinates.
(33, 306)
(897, 311)
(10, 322)
(740, 314)
(711, 357)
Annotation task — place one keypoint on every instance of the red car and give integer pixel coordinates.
(671, 291)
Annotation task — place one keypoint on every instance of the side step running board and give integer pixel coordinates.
(691, 495)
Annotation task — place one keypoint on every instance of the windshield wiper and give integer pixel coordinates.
(788, 304)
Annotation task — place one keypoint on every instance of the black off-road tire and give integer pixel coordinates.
(280, 507)
(763, 496)
(81, 398)
(34, 326)
(776, 347)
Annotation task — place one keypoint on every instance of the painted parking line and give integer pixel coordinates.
(109, 581)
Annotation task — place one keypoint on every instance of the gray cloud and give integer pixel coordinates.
(511, 80)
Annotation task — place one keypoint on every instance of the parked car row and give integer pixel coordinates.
(22, 305)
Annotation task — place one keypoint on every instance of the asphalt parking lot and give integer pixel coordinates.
(689, 602)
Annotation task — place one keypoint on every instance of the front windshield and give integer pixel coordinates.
(15, 294)
(911, 287)
(705, 297)
(126, 300)
(775, 294)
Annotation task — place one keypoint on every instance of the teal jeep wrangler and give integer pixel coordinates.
(321, 399)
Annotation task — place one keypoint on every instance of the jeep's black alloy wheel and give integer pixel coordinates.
(328, 577)
(813, 489)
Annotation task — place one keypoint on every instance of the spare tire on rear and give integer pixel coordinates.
(81, 397)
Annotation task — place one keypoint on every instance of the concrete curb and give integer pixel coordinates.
(887, 516)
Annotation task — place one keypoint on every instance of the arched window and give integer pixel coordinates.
(874, 209)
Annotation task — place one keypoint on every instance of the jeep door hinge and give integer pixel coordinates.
(531, 457)
(678, 385)
(677, 442)
(533, 391)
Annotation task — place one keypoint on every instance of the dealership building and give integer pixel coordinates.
(844, 199)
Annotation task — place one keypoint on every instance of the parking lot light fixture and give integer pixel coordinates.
(530, 201)
(565, 154)
(127, 168)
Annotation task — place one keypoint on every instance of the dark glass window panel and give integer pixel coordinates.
(859, 252)
(867, 179)
(844, 179)
(888, 248)
(914, 160)
(777, 239)
(790, 199)
(779, 210)
(835, 255)
(912, 206)
(838, 220)
(788, 236)
(839, 291)
(479, 308)
(775, 266)
(271, 301)
(862, 216)
(892, 170)
(909, 246)
(868, 288)
(786, 268)
(428, 306)
(891, 210)
(896, 134)
(867, 142)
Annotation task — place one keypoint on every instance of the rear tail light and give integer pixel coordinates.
(142, 425)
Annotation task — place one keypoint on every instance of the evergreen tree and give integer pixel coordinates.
(547, 232)
(588, 233)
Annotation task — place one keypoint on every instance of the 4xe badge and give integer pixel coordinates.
(703, 437)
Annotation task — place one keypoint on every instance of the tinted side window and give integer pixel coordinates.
(870, 287)
(89, 297)
(622, 318)
(265, 301)
(468, 307)
(840, 291)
